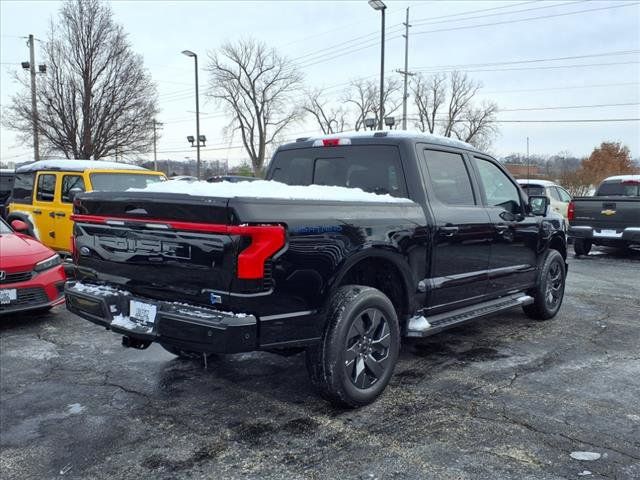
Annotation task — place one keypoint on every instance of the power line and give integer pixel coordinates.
(567, 87)
(601, 105)
(525, 19)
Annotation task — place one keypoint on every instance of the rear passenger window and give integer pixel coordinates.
(46, 188)
(69, 182)
(449, 178)
(293, 170)
(564, 196)
(23, 188)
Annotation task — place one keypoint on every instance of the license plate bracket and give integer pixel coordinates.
(142, 313)
(605, 232)
(7, 295)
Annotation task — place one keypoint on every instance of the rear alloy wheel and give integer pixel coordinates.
(581, 246)
(550, 290)
(359, 349)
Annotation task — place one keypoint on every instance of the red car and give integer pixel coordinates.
(31, 275)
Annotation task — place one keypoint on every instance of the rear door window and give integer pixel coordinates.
(23, 187)
(564, 195)
(449, 178)
(69, 182)
(553, 192)
(46, 187)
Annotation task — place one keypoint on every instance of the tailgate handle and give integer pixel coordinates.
(610, 205)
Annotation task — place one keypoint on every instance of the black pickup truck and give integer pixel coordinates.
(450, 237)
(610, 218)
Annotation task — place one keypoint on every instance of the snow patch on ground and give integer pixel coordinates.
(269, 189)
(38, 350)
(75, 408)
(585, 456)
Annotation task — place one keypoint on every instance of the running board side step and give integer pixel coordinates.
(425, 326)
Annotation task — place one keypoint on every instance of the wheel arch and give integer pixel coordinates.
(366, 266)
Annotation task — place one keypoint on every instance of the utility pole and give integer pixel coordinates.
(34, 107)
(528, 175)
(405, 72)
(155, 139)
(380, 127)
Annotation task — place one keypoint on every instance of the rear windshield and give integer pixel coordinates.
(119, 182)
(375, 169)
(629, 188)
(533, 189)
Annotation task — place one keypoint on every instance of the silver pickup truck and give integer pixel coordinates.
(610, 218)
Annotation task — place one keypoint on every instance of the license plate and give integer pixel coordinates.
(141, 312)
(7, 295)
(607, 233)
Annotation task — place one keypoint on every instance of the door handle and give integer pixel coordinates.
(60, 214)
(37, 212)
(448, 231)
(52, 215)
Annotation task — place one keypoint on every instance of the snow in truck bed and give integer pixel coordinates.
(269, 189)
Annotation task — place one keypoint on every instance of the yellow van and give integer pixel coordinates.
(43, 192)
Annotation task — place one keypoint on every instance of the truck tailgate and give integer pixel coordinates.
(607, 212)
(160, 246)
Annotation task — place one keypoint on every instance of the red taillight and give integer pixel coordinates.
(72, 244)
(571, 211)
(266, 240)
(331, 142)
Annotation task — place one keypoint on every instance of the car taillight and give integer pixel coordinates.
(571, 211)
(266, 240)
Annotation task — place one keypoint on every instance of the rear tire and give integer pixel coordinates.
(549, 291)
(353, 363)
(581, 246)
(188, 354)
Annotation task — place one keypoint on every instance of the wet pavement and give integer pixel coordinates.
(505, 397)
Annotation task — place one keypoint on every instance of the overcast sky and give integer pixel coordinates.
(590, 68)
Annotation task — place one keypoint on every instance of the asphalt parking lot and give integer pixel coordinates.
(505, 397)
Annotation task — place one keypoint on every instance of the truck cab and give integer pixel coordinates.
(43, 192)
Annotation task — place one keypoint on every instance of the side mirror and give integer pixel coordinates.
(538, 205)
(19, 226)
(73, 192)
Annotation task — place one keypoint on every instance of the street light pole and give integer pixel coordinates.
(379, 5)
(34, 106)
(189, 53)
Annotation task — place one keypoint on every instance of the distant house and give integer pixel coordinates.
(521, 170)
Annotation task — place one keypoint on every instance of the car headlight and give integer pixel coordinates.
(50, 262)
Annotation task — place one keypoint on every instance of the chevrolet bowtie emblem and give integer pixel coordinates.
(608, 212)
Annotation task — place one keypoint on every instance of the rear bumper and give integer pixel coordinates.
(629, 234)
(186, 326)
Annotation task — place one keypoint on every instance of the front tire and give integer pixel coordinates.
(359, 349)
(549, 291)
(581, 246)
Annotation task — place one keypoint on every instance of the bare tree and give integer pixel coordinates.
(96, 99)
(329, 119)
(257, 87)
(364, 95)
(447, 106)
(429, 94)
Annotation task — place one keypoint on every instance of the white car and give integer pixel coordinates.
(558, 196)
